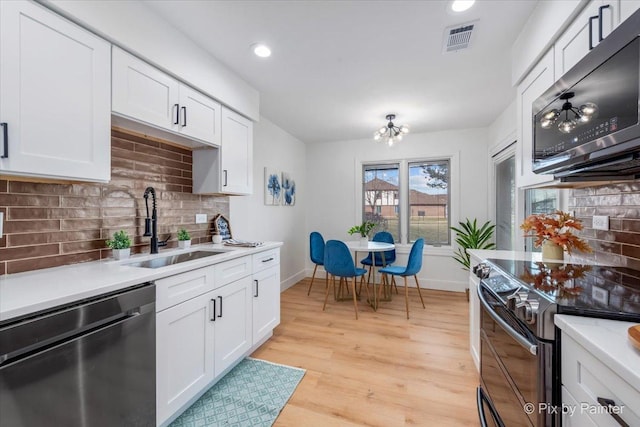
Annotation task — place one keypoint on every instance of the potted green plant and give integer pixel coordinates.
(120, 245)
(184, 239)
(363, 230)
(469, 236)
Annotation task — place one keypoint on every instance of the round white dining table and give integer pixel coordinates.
(370, 247)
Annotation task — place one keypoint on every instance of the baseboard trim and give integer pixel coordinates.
(292, 280)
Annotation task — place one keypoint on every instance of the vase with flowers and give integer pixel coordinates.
(554, 233)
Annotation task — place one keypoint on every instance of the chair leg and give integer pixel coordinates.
(406, 294)
(355, 301)
(394, 285)
(315, 267)
(383, 282)
(326, 293)
(366, 286)
(419, 293)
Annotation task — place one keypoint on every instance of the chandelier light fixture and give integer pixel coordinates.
(390, 133)
(572, 116)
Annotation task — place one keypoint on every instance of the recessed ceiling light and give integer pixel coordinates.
(261, 50)
(461, 5)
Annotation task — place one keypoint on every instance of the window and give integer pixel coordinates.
(429, 202)
(409, 198)
(380, 190)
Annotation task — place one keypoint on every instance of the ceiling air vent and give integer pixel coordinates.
(457, 37)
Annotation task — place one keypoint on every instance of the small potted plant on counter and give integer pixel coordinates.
(363, 230)
(184, 239)
(120, 245)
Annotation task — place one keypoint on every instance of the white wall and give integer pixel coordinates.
(251, 219)
(138, 29)
(333, 205)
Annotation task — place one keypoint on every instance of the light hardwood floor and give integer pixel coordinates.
(379, 370)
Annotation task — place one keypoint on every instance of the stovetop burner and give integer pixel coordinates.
(588, 290)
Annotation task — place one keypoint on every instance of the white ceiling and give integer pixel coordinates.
(338, 67)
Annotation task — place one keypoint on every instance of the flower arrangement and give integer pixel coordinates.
(555, 228)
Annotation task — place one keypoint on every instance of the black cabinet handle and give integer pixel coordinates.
(184, 117)
(611, 405)
(213, 317)
(225, 178)
(600, 9)
(5, 138)
(176, 108)
(257, 288)
(591, 31)
(220, 314)
(268, 259)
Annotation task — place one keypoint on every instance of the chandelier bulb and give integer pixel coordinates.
(377, 136)
(566, 126)
(404, 129)
(383, 130)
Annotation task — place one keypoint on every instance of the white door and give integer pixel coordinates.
(184, 353)
(237, 153)
(55, 86)
(199, 116)
(233, 323)
(266, 302)
(143, 92)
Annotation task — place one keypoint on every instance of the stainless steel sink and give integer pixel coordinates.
(174, 259)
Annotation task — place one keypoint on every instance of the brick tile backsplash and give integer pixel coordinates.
(52, 224)
(621, 202)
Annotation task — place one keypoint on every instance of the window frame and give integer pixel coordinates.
(454, 193)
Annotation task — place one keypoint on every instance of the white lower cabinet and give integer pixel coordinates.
(233, 323)
(474, 319)
(184, 353)
(207, 319)
(266, 302)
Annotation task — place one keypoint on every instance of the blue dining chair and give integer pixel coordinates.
(338, 262)
(376, 260)
(413, 267)
(316, 251)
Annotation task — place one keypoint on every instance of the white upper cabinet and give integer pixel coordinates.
(228, 170)
(237, 153)
(627, 7)
(537, 81)
(594, 23)
(145, 94)
(55, 81)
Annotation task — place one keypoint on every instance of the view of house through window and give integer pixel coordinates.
(381, 194)
(425, 213)
(429, 202)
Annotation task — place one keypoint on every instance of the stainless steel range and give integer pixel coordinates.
(520, 346)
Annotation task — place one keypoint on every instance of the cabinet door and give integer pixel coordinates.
(573, 45)
(184, 353)
(55, 81)
(537, 81)
(237, 153)
(627, 8)
(233, 323)
(143, 92)
(474, 319)
(266, 302)
(199, 116)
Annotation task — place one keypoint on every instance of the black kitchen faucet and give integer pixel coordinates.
(151, 223)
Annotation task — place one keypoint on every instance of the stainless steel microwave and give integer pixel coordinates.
(586, 127)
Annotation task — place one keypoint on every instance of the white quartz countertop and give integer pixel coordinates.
(30, 292)
(607, 340)
(482, 254)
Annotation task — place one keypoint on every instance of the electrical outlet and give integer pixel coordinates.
(201, 218)
(600, 222)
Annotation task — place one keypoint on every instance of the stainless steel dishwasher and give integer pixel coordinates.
(89, 364)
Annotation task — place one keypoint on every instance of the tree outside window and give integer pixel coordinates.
(380, 190)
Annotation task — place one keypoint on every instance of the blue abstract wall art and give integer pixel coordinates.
(288, 190)
(272, 187)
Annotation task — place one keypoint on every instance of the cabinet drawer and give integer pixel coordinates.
(181, 287)
(266, 259)
(586, 378)
(571, 417)
(232, 270)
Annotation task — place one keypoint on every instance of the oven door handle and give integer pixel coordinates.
(482, 397)
(533, 348)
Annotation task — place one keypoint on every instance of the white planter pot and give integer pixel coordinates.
(184, 244)
(121, 253)
(364, 241)
(216, 238)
